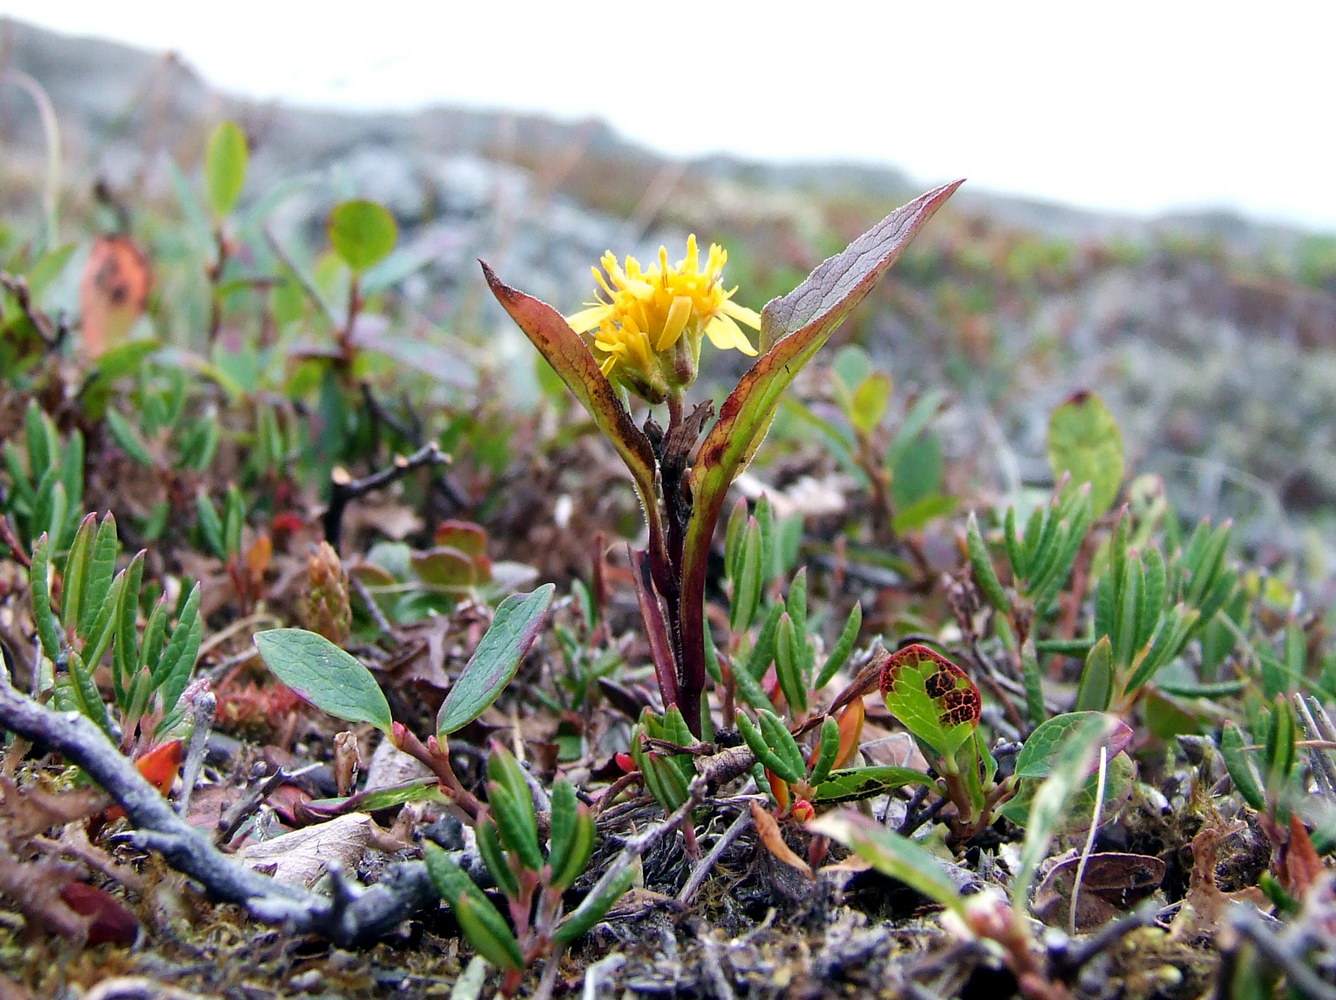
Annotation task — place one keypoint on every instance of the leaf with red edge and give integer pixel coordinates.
(793, 328)
(467, 537)
(571, 358)
(933, 697)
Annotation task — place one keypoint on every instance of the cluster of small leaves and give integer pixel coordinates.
(99, 614)
(532, 880)
(46, 481)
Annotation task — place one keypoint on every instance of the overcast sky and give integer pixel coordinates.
(1143, 107)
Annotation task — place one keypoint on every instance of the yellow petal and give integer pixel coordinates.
(725, 334)
(678, 314)
(588, 319)
(742, 314)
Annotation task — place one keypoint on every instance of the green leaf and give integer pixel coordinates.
(39, 586)
(593, 908)
(210, 526)
(1084, 440)
(891, 854)
(101, 567)
(225, 167)
(76, 570)
(516, 823)
(1048, 810)
(789, 665)
(130, 440)
(932, 697)
(1041, 754)
(857, 783)
(868, 403)
(1095, 691)
(324, 675)
(362, 233)
(494, 663)
(172, 672)
(793, 328)
(494, 856)
(1241, 770)
(773, 745)
(480, 921)
(747, 580)
(828, 747)
(571, 856)
(985, 576)
(844, 645)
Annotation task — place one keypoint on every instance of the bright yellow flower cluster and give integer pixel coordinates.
(647, 324)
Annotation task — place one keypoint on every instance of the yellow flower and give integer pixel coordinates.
(647, 325)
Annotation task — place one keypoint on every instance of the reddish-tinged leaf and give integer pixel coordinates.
(571, 358)
(851, 731)
(444, 566)
(114, 292)
(110, 920)
(1302, 866)
(933, 697)
(768, 830)
(1111, 884)
(793, 329)
(469, 538)
(159, 767)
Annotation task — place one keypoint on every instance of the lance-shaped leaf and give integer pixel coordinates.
(493, 664)
(891, 854)
(793, 328)
(571, 358)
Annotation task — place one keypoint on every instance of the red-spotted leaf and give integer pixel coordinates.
(514, 628)
(932, 696)
(571, 358)
(793, 329)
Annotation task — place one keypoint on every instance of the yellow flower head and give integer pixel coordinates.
(647, 324)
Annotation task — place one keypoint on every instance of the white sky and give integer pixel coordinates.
(1133, 106)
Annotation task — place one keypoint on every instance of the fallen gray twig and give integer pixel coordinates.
(352, 916)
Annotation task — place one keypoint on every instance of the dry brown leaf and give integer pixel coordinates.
(1301, 866)
(1111, 884)
(768, 829)
(304, 856)
(113, 294)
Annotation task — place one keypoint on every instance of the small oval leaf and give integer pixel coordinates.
(324, 675)
(1084, 440)
(225, 167)
(362, 233)
(932, 697)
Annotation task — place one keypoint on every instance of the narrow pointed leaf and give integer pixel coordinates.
(494, 663)
(571, 358)
(866, 782)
